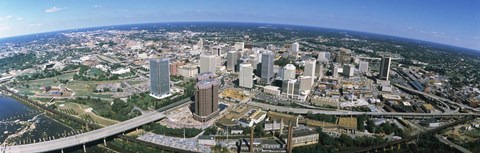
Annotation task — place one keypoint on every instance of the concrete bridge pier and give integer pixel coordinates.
(84, 148)
(61, 150)
(104, 142)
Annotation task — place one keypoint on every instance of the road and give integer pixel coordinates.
(83, 138)
(352, 113)
(451, 144)
(436, 97)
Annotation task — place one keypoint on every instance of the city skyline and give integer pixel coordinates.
(446, 22)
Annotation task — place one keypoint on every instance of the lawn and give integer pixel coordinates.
(93, 72)
(80, 110)
(36, 85)
(86, 88)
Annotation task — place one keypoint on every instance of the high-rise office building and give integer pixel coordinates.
(334, 69)
(253, 60)
(292, 88)
(288, 72)
(319, 70)
(348, 70)
(267, 67)
(385, 68)
(239, 46)
(217, 50)
(323, 57)
(207, 63)
(310, 68)
(363, 67)
(294, 49)
(306, 82)
(246, 75)
(232, 58)
(206, 97)
(159, 77)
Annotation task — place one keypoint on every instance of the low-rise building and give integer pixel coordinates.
(324, 101)
(302, 137)
(188, 71)
(273, 90)
(206, 140)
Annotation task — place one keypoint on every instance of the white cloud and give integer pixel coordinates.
(96, 6)
(53, 9)
(8, 17)
(35, 25)
(19, 18)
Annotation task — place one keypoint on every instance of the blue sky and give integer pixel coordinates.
(453, 22)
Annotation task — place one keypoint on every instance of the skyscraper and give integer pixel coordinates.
(310, 68)
(206, 97)
(385, 68)
(207, 63)
(288, 72)
(348, 70)
(294, 49)
(267, 67)
(159, 77)
(232, 58)
(239, 46)
(334, 68)
(363, 67)
(323, 57)
(246, 75)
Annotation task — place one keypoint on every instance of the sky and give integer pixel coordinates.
(452, 22)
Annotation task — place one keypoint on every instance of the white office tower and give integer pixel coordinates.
(309, 69)
(217, 50)
(335, 69)
(159, 78)
(348, 70)
(239, 45)
(319, 70)
(385, 68)
(292, 86)
(266, 76)
(306, 83)
(254, 61)
(246, 75)
(232, 58)
(288, 72)
(207, 63)
(294, 48)
(199, 45)
(363, 67)
(323, 57)
(270, 47)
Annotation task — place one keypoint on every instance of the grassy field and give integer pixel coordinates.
(80, 110)
(95, 72)
(36, 85)
(85, 88)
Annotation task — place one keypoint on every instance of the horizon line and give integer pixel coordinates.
(285, 24)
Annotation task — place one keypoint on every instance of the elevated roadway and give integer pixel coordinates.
(353, 113)
(95, 135)
(82, 139)
(435, 97)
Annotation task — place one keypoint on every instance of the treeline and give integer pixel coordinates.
(163, 130)
(120, 110)
(40, 75)
(331, 144)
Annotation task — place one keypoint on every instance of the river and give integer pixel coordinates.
(20, 123)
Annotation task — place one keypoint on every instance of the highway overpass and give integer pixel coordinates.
(353, 113)
(99, 134)
(436, 97)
